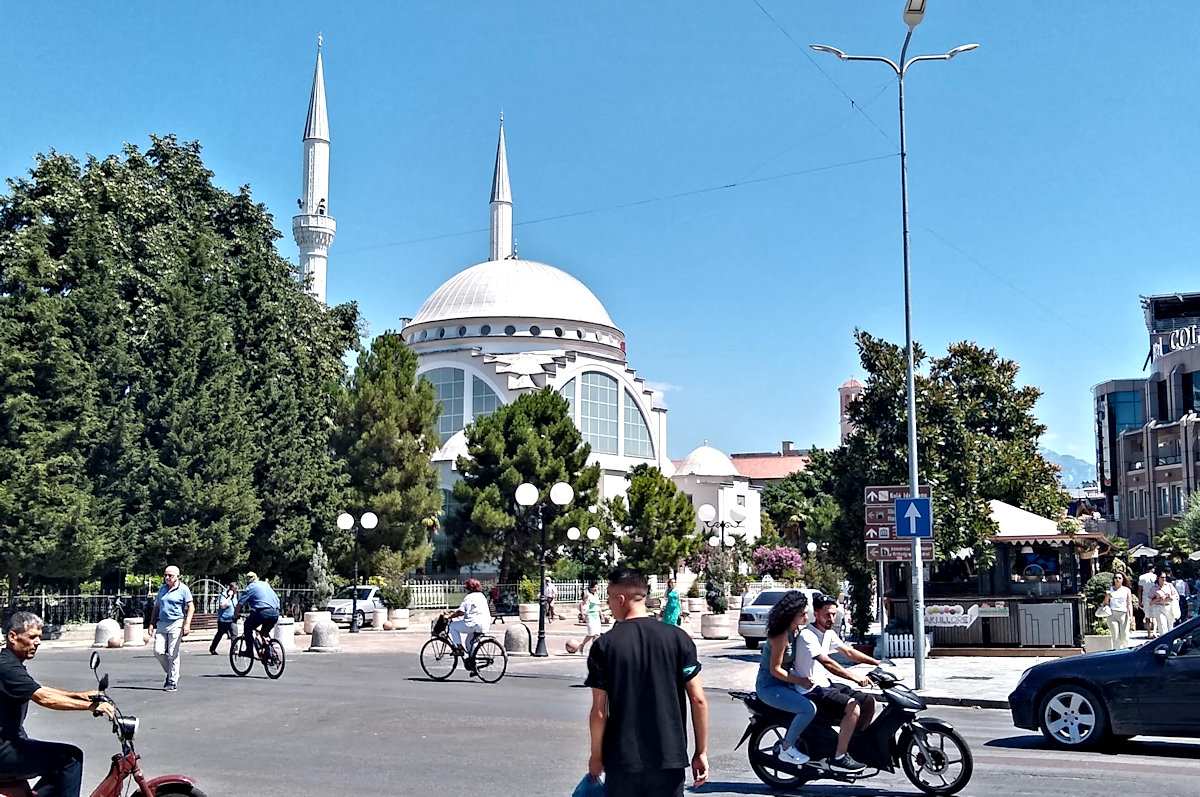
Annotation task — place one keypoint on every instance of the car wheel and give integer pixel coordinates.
(751, 644)
(361, 617)
(1073, 717)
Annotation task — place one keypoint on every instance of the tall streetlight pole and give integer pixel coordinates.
(914, 12)
(346, 522)
(527, 495)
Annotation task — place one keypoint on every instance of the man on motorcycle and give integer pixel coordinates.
(835, 702)
(60, 766)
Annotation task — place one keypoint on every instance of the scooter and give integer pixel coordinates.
(931, 753)
(124, 765)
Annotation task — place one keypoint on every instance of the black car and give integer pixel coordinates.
(1082, 701)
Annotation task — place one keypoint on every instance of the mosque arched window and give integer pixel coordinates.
(637, 433)
(484, 400)
(598, 411)
(449, 388)
(568, 392)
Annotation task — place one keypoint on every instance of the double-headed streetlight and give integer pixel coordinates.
(346, 522)
(914, 12)
(708, 516)
(527, 495)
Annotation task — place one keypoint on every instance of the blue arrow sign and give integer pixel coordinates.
(914, 518)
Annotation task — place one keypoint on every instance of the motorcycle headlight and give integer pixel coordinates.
(127, 727)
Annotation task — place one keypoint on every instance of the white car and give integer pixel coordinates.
(341, 604)
(752, 619)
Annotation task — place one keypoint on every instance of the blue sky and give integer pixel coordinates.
(1052, 172)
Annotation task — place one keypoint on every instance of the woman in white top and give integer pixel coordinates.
(1120, 600)
(472, 615)
(1164, 601)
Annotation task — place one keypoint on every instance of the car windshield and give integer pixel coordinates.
(769, 598)
(348, 593)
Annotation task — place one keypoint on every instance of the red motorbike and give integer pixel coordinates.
(124, 765)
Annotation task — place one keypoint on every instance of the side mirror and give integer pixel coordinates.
(94, 662)
(103, 685)
(1161, 653)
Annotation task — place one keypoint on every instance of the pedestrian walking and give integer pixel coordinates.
(591, 615)
(170, 622)
(224, 617)
(1164, 601)
(1145, 584)
(671, 608)
(1185, 590)
(1119, 601)
(644, 675)
(549, 595)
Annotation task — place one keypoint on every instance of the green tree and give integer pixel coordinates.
(386, 433)
(534, 440)
(657, 522)
(977, 441)
(799, 505)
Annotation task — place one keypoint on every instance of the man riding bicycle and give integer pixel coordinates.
(60, 766)
(264, 610)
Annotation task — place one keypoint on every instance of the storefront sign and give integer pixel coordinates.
(958, 617)
(1173, 341)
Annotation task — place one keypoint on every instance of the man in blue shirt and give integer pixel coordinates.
(263, 604)
(170, 622)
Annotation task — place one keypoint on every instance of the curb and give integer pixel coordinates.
(964, 702)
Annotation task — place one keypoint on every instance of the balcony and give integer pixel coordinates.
(1139, 465)
(1168, 459)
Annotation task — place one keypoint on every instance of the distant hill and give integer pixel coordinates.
(1075, 471)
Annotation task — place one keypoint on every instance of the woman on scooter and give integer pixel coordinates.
(776, 685)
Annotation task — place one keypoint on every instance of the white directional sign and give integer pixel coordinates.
(897, 551)
(881, 530)
(886, 495)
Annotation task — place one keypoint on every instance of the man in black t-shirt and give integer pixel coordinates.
(643, 675)
(60, 766)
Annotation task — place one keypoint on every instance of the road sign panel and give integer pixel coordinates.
(881, 514)
(886, 495)
(914, 518)
(878, 532)
(894, 551)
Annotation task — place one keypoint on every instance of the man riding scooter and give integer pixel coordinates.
(835, 702)
(60, 766)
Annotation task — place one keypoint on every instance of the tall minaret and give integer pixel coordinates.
(313, 228)
(502, 223)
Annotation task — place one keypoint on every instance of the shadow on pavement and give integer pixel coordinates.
(1161, 749)
(809, 790)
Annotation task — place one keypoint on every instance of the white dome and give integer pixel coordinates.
(452, 449)
(706, 461)
(513, 288)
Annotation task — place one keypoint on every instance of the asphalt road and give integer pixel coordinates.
(371, 724)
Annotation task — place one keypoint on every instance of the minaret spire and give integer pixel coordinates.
(502, 224)
(313, 228)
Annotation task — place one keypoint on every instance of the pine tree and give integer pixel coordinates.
(658, 522)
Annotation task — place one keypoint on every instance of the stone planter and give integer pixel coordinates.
(1093, 643)
(377, 618)
(312, 618)
(697, 605)
(714, 626)
(528, 612)
(134, 632)
(735, 602)
(285, 632)
(399, 619)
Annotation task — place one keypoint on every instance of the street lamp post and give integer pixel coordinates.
(527, 495)
(914, 12)
(708, 516)
(346, 522)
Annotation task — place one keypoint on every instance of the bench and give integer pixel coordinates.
(204, 622)
(501, 609)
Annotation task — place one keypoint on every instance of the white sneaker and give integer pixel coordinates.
(793, 756)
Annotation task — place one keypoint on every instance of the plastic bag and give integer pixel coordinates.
(1104, 611)
(589, 788)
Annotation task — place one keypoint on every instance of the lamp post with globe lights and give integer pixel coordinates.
(346, 522)
(708, 516)
(527, 496)
(914, 12)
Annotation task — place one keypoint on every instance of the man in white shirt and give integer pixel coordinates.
(1145, 582)
(1184, 590)
(835, 702)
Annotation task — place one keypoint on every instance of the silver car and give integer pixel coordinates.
(752, 619)
(341, 604)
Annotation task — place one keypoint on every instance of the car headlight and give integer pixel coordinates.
(1021, 680)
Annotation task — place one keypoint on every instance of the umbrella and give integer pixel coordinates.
(1194, 555)
(1142, 550)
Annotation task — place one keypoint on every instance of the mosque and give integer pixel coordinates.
(508, 326)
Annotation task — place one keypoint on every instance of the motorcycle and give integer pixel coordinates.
(124, 765)
(932, 754)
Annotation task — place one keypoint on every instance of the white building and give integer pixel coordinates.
(708, 476)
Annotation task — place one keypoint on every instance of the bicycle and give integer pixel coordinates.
(268, 651)
(439, 656)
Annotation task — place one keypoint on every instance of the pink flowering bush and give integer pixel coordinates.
(774, 560)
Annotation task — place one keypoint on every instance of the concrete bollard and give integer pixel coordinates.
(377, 618)
(325, 638)
(134, 631)
(285, 632)
(517, 639)
(312, 618)
(106, 630)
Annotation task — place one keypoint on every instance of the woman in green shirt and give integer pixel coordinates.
(670, 613)
(591, 615)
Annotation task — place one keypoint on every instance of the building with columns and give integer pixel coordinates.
(313, 227)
